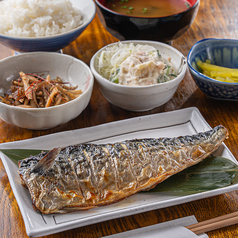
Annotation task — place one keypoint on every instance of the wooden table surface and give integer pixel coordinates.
(215, 18)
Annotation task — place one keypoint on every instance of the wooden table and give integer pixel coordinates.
(216, 18)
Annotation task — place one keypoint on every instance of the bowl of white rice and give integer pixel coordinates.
(39, 25)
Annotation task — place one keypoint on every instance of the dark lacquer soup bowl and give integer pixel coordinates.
(164, 29)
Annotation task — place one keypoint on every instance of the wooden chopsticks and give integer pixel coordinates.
(214, 223)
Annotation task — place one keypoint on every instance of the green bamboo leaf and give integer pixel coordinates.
(212, 173)
(19, 154)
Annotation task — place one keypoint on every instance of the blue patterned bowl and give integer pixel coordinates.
(56, 42)
(222, 52)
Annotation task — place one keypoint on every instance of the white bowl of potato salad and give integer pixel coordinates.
(138, 75)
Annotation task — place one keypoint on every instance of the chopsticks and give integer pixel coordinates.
(214, 223)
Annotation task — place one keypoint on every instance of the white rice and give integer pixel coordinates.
(36, 18)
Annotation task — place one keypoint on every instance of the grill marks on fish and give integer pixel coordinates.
(89, 175)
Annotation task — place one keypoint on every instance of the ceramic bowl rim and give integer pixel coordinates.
(129, 16)
(36, 38)
(196, 72)
(174, 81)
(57, 106)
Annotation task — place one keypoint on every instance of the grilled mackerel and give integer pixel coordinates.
(89, 175)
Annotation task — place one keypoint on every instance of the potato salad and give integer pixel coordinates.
(135, 65)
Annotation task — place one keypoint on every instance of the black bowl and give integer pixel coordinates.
(164, 29)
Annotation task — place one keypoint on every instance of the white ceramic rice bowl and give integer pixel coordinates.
(142, 98)
(56, 42)
(66, 67)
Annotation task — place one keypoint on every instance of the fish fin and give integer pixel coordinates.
(46, 162)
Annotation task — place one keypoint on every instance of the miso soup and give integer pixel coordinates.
(148, 8)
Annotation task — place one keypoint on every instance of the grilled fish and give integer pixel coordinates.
(85, 176)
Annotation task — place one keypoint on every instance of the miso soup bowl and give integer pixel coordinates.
(164, 29)
(221, 52)
(68, 68)
(141, 98)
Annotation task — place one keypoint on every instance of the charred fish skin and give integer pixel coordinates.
(89, 175)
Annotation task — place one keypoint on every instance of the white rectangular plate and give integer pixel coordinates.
(169, 124)
(165, 229)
